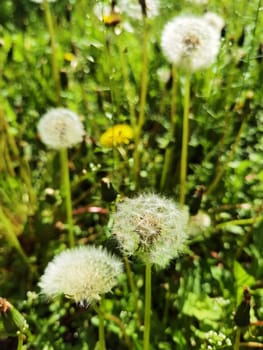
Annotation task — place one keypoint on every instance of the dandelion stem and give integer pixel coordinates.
(208, 83)
(100, 312)
(237, 339)
(101, 328)
(143, 93)
(127, 85)
(222, 167)
(251, 344)
(55, 70)
(11, 237)
(185, 136)
(20, 338)
(67, 194)
(170, 149)
(147, 307)
(240, 222)
(133, 288)
(119, 323)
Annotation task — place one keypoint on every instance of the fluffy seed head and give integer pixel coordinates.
(60, 128)
(190, 42)
(214, 20)
(82, 274)
(150, 226)
(199, 223)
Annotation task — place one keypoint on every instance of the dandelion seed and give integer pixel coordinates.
(190, 42)
(150, 226)
(164, 74)
(199, 223)
(82, 274)
(100, 10)
(215, 21)
(134, 10)
(60, 128)
(117, 135)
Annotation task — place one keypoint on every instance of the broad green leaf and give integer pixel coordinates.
(243, 279)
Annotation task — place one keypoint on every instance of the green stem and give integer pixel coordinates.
(170, 149)
(122, 327)
(237, 339)
(251, 344)
(127, 86)
(222, 167)
(208, 83)
(133, 288)
(241, 222)
(20, 338)
(100, 312)
(11, 237)
(166, 305)
(147, 308)
(54, 62)
(143, 94)
(101, 332)
(185, 136)
(111, 75)
(67, 194)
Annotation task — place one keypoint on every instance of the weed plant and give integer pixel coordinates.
(156, 129)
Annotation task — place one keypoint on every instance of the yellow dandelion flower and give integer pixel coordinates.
(112, 19)
(69, 57)
(117, 135)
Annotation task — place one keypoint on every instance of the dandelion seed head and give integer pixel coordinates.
(199, 223)
(190, 42)
(214, 20)
(133, 9)
(150, 226)
(60, 128)
(117, 135)
(164, 74)
(82, 274)
(100, 10)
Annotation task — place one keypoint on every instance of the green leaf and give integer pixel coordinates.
(243, 279)
(203, 308)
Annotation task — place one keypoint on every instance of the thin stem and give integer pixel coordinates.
(251, 344)
(143, 94)
(237, 339)
(166, 305)
(11, 236)
(185, 136)
(20, 338)
(127, 85)
(147, 309)
(122, 327)
(54, 62)
(100, 311)
(222, 167)
(133, 288)
(241, 222)
(170, 149)
(67, 194)
(101, 331)
(208, 83)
